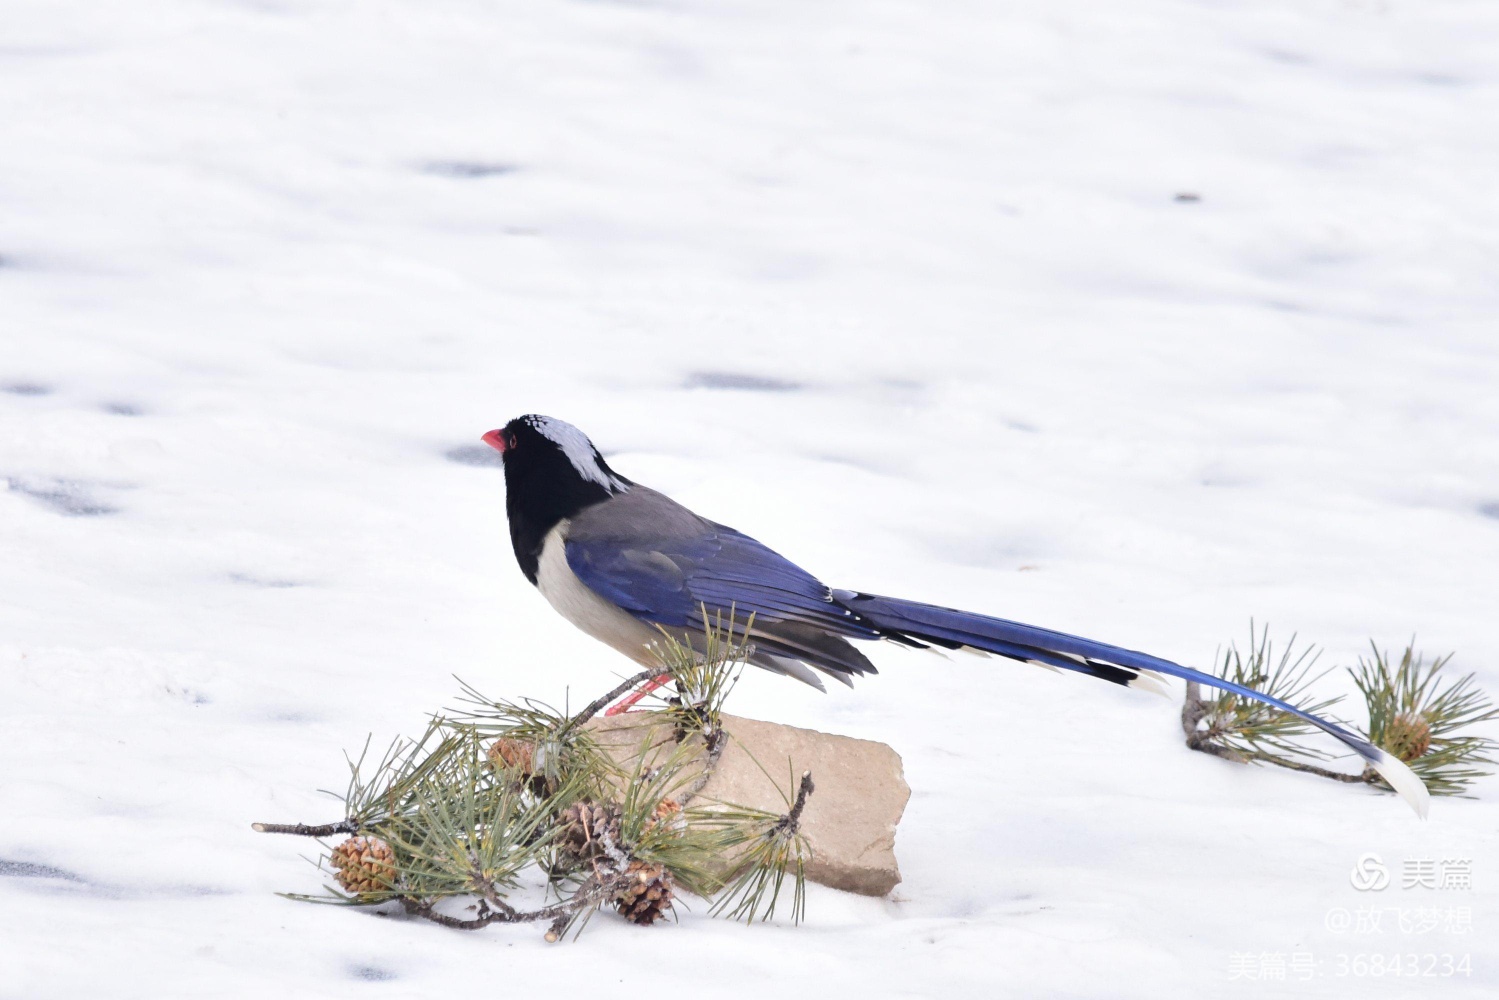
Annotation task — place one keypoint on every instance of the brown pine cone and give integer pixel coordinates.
(646, 898)
(364, 865)
(668, 811)
(582, 829)
(1407, 737)
(512, 754)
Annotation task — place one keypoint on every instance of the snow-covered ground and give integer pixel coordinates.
(1131, 319)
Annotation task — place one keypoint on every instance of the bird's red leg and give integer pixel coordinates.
(629, 701)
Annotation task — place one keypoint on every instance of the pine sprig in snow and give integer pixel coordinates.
(1412, 715)
(1416, 718)
(501, 797)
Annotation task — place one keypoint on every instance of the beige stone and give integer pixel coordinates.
(850, 818)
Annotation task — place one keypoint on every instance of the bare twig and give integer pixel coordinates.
(593, 892)
(1201, 739)
(491, 895)
(1193, 709)
(790, 822)
(604, 701)
(559, 927)
(714, 741)
(1367, 776)
(423, 908)
(590, 894)
(303, 830)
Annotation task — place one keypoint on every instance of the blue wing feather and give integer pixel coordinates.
(667, 581)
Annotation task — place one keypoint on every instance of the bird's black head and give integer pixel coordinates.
(552, 471)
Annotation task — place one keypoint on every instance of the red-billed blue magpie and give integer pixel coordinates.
(618, 559)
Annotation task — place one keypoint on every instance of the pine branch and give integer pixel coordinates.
(1412, 715)
(1194, 708)
(497, 792)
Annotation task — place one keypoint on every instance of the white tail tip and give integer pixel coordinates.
(1149, 680)
(1401, 778)
(1048, 666)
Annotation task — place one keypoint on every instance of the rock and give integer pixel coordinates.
(850, 818)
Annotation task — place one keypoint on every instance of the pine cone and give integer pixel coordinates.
(1407, 737)
(582, 828)
(512, 754)
(647, 896)
(364, 865)
(669, 812)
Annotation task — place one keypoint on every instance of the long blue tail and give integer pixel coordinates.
(951, 629)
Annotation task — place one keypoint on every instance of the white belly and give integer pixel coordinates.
(587, 610)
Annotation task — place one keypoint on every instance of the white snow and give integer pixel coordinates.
(1129, 319)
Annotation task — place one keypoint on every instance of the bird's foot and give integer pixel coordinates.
(630, 700)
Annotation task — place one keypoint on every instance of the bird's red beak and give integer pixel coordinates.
(495, 440)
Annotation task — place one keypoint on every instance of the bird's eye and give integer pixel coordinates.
(500, 440)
